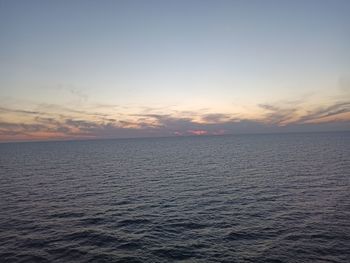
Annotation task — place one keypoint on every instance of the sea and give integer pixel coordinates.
(230, 198)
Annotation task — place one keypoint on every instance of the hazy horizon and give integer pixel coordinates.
(117, 69)
(175, 136)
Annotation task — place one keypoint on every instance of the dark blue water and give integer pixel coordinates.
(249, 198)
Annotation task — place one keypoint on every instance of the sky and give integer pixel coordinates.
(118, 69)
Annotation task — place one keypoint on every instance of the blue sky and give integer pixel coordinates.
(107, 63)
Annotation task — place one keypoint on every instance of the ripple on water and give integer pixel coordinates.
(257, 198)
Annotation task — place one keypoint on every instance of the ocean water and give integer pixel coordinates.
(240, 198)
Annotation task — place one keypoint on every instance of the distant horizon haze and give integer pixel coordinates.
(177, 136)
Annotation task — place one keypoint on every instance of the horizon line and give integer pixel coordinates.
(171, 136)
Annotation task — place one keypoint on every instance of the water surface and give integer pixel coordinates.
(243, 198)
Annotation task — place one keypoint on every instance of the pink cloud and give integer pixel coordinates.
(197, 132)
(177, 133)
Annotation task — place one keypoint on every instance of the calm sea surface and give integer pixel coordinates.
(244, 198)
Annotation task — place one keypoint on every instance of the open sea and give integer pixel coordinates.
(239, 198)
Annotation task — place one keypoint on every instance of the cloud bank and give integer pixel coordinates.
(55, 122)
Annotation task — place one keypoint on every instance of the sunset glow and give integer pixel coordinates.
(126, 69)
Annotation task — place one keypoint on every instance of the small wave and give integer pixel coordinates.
(92, 221)
(65, 254)
(69, 214)
(173, 253)
(133, 222)
(186, 225)
(93, 238)
(245, 235)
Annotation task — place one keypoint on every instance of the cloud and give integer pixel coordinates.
(277, 114)
(46, 108)
(9, 110)
(49, 121)
(325, 112)
(216, 118)
(282, 115)
(197, 132)
(81, 124)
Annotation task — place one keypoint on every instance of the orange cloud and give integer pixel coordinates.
(197, 132)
